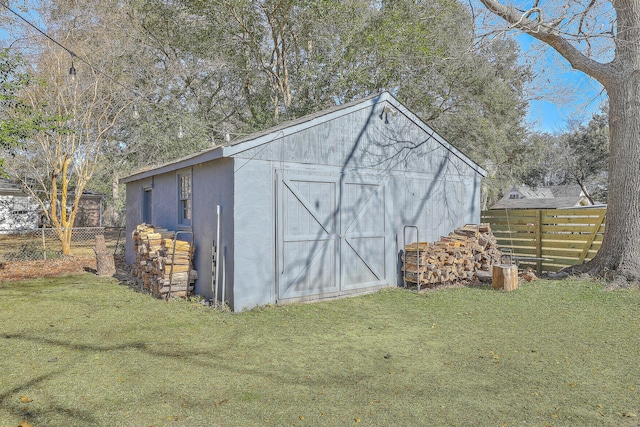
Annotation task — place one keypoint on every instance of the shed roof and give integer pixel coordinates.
(535, 193)
(294, 126)
(569, 190)
(9, 187)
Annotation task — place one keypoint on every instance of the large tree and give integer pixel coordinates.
(57, 162)
(601, 39)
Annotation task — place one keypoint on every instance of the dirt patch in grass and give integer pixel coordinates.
(25, 270)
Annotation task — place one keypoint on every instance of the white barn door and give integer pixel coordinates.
(330, 235)
(362, 234)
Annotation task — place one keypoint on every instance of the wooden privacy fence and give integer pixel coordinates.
(557, 237)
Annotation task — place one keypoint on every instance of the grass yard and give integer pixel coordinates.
(83, 351)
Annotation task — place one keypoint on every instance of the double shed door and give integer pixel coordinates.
(331, 234)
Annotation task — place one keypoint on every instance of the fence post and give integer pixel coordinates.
(44, 245)
(539, 241)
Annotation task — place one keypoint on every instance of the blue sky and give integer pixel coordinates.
(552, 115)
(564, 94)
(558, 95)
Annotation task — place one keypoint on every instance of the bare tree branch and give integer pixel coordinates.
(547, 33)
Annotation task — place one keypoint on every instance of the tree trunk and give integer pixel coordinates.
(619, 256)
(105, 263)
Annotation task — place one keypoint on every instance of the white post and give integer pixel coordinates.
(215, 293)
(224, 279)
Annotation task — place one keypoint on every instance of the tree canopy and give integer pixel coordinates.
(183, 74)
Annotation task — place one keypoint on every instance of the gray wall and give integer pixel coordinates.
(212, 186)
(134, 194)
(364, 140)
(431, 187)
(435, 206)
(254, 245)
(164, 205)
(425, 184)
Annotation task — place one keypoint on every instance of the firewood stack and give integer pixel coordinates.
(466, 255)
(163, 264)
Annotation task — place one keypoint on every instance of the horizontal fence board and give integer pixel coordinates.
(562, 236)
(567, 237)
(502, 213)
(567, 229)
(519, 237)
(570, 212)
(507, 225)
(512, 228)
(523, 251)
(578, 244)
(561, 253)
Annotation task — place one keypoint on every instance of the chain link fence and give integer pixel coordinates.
(43, 243)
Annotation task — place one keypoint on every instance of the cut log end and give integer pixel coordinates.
(505, 276)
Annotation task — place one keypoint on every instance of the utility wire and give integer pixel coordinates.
(73, 55)
(93, 67)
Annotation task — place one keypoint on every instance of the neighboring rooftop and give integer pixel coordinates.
(542, 203)
(9, 187)
(556, 197)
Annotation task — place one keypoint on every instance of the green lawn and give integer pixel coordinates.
(91, 352)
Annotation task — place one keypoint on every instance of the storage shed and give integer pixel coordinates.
(315, 208)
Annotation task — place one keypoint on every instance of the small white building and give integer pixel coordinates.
(17, 210)
(21, 212)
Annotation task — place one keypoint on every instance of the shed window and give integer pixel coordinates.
(147, 206)
(185, 198)
(21, 205)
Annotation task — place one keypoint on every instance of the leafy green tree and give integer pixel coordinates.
(547, 163)
(578, 156)
(588, 159)
(298, 57)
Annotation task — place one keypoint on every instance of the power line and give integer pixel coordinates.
(131, 90)
(73, 55)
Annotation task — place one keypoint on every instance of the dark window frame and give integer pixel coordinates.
(185, 194)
